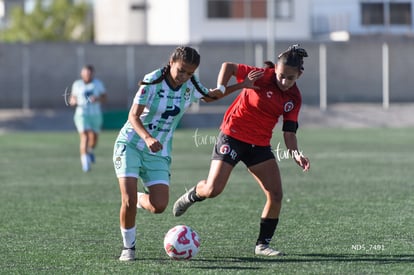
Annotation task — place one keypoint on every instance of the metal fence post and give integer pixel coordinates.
(323, 98)
(25, 78)
(130, 73)
(385, 77)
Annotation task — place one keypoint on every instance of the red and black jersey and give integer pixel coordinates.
(253, 115)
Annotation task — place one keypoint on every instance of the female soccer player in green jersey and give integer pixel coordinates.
(88, 93)
(143, 147)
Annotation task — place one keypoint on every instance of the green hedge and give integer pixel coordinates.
(114, 119)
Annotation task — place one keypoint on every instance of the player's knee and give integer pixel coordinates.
(158, 207)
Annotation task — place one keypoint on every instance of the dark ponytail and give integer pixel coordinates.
(164, 72)
(293, 57)
(198, 88)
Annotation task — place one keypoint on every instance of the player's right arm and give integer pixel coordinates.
(72, 101)
(134, 118)
(229, 69)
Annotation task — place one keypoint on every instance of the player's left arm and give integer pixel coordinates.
(100, 98)
(292, 145)
(103, 97)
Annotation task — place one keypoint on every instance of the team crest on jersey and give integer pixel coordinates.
(118, 163)
(288, 106)
(187, 94)
(224, 149)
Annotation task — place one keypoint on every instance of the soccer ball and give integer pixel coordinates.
(181, 242)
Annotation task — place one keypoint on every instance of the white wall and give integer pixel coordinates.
(185, 21)
(168, 21)
(116, 23)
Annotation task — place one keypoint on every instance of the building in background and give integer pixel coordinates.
(197, 21)
(121, 21)
(361, 17)
(186, 21)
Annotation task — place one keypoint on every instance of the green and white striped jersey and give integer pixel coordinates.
(83, 91)
(164, 109)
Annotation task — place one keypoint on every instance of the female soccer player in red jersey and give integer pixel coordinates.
(245, 135)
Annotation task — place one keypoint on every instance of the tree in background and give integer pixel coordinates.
(62, 20)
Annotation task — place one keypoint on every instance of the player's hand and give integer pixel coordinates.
(93, 99)
(303, 162)
(72, 101)
(215, 93)
(153, 144)
(251, 78)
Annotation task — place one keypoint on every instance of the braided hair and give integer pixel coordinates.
(293, 57)
(186, 54)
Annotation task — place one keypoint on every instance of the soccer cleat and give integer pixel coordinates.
(127, 254)
(91, 157)
(182, 203)
(265, 250)
(86, 168)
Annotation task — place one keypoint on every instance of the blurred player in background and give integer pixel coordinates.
(88, 93)
(143, 146)
(246, 132)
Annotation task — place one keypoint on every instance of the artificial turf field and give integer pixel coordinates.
(353, 213)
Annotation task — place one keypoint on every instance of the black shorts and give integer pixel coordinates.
(232, 151)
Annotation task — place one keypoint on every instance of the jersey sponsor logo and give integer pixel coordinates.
(288, 106)
(171, 111)
(173, 97)
(88, 94)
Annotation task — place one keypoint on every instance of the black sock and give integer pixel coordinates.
(267, 230)
(193, 197)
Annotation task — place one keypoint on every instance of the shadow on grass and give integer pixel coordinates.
(318, 257)
(255, 264)
(313, 257)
